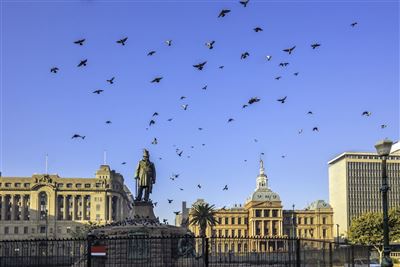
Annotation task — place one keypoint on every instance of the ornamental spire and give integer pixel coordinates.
(261, 167)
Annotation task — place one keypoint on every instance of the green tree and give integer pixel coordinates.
(368, 229)
(83, 230)
(203, 215)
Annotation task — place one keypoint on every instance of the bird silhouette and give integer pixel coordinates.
(315, 129)
(170, 201)
(123, 163)
(244, 55)
(155, 204)
(289, 50)
(223, 13)
(179, 153)
(185, 106)
(111, 81)
(315, 45)
(152, 122)
(283, 64)
(54, 70)
(221, 67)
(310, 113)
(151, 53)
(269, 58)
(244, 106)
(200, 66)
(225, 188)
(98, 91)
(78, 136)
(80, 42)
(155, 141)
(278, 78)
(366, 113)
(155, 114)
(204, 87)
(177, 212)
(354, 24)
(282, 100)
(253, 100)
(82, 63)
(170, 119)
(300, 131)
(383, 126)
(296, 74)
(182, 97)
(230, 120)
(181, 189)
(258, 29)
(199, 186)
(156, 80)
(168, 42)
(108, 122)
(244, 2)
(210, 44)
(122, 41)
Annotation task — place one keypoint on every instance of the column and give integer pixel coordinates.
(3, 207)
(263, 228)
(110, 207)
(12, 202)
(270, 228)
(73, 207)
(118, 211)
(23, 208)
(65, 216)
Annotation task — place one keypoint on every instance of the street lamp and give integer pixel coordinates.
(383, 149)
(337, 233)
(293, 223)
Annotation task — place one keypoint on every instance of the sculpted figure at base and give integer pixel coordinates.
(145, 176)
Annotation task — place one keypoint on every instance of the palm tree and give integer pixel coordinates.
(203, 215)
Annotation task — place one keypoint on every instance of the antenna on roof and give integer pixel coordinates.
(105, 157)
(47, 159)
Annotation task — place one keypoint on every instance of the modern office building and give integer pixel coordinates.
(354, 185)
(46, 205)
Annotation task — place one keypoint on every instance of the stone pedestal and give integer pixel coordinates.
(142, 209)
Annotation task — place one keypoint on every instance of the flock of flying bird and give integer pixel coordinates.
(200, 66)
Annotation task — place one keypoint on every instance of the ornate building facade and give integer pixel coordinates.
(45, 205)
(262, 215)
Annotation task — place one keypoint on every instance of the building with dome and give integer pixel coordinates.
(262, 215)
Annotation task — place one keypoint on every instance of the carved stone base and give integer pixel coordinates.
(143, 209)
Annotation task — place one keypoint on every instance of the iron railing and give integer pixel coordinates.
(180, 251)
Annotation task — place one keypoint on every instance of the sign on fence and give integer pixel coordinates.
(98, 251)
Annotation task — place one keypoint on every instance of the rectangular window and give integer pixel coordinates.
(311, 220)
(233, 220)
(17, 184)
(258, 213)
(59, 230)
(324, 233)
(266, 213)
(8, 184)
(42, 229)
(274, 213)
(226, 220)
(6, 230)
(239, 233)
(246, 220)
(69, 185)
(68, 230)
(97, 217)
(78, 185)
(226, 233)
(26, 230)
(87, 185)
(240, 220)
(15, 229)
(98, 184)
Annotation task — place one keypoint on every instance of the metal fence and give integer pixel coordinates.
(181, 252)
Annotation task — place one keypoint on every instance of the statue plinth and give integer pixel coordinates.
(143, 209)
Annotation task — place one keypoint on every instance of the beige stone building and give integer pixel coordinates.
(46, 205)
(261, 216)
(354, 185)
(314, 222)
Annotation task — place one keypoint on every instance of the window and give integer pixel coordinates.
(59, 230)
(239, 220)
(305, 220)
(8, 185)
(26, 230)
(246, 220)
(324, 233)
(323, 220)
(311, 220)
(97, 217)
(69, 185)
(233, 220)
(226, 233)
(6, 230)
(33, 230)
(17, 185)
(97, 207)
(78, 185)
(266, 213)
(245, 233)
(42, 229)
(239, 233)
(258, 213)
(274, 213)
(226, 220)
(87, 185)
(15, 229)
(98, 184)
(60, 185)
(68, 230)
(43, 205)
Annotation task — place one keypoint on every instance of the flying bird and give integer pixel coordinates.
(152, 122)
(258, 29)
(168, 42)
(155, 141)
(225, 188)
(244, 2)
(210, 44)
(315, 45)
(282, 100)
(177, 212)
(296, 74)
(182, 97)
(179, 153)
(98, 91)
(170, 119)
(199, 186)
(54, 70)
(204, 87)
(244, 55)
(278, 78)
(180, 188)
(268, 58)
(300, 131)
(354, 24)
(151, 53)
(200, 66)
(155, 114)
(289, 50)
(244, 106)
(82, 63)
(155, 204)
(170, 201)
(156, 80)
(366, 113)
(253, 100)
(383, 126)
(108, 122)
(185, 106)
(80, 42)
(123, 163)
(200, 129)
(221, 67)
(122, 41)
(310, 113)
(78, 136)
(230, 120)
(283, 64)
(223, 13)
(111, 81)
(315, 129)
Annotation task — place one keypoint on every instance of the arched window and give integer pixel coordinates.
(43, 206)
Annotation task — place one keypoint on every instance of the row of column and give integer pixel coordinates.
(14, 207)
(69, 206)
(261, 225)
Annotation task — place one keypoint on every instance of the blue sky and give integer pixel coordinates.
(354, 70)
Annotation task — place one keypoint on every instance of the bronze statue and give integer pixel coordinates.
(145, 176)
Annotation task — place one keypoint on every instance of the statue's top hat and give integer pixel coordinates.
(145, 153)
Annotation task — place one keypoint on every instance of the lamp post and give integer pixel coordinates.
(293, 222)
(383, 149)
(337, 233)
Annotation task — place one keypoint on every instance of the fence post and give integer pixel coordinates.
(298, 256)
(352, 255)
(330, 255)
(90, 238)
(206, 252)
